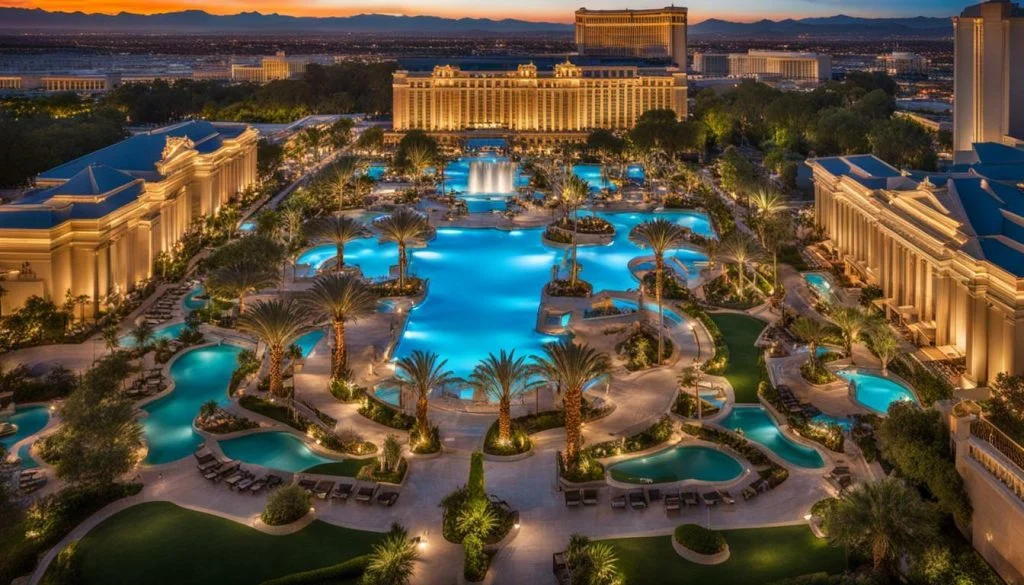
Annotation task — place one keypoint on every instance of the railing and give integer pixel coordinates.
(988, 432)
(1007, 463)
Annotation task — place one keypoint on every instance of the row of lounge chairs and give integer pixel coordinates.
(795, 405)
(326, 489)
(232, 475)
(30, 480)
(164, 307)
(584, 497)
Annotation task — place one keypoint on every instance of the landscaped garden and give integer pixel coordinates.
(744, 370)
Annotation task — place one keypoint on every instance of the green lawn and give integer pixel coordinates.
(159, 543)
(757, 556)
(740, 332)
(346, 468)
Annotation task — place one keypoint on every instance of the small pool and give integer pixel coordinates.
(376, 170)
(248, 226)
(678, 464)
(163, 332)
(191, 303)
(373, 258)
(30, 420)
(822, 284)
(199, 375)
(307, 341)
(275, 449)
(824, 419)
(757, 425)
(876, 392)
(388, 394)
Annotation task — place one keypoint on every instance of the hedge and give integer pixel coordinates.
(699, 539)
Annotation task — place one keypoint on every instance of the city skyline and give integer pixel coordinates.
(530, 10)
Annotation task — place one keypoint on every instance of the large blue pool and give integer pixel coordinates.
(876, 392)
(678, 464)
(30, 420)
(374, 258)
(756, 424)
(274, 449)
(591, 173)
(484, 181)
(162, 332)
(199, 375)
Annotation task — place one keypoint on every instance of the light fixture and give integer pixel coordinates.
(808, 517)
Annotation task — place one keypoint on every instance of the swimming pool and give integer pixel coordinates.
(876, 392)
(30, 420)
(307, 341)
(591, 174)
(755, 424)
(190, 302)
(199, 375)
(376, 170)
(163, 332)
(822, 284)
(274, 449)
(678, 464)
(484, 181)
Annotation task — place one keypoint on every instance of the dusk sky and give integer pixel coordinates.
(538, 10)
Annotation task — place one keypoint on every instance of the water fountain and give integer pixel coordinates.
(491, 177)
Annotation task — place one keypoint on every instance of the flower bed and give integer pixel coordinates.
(699, 539)
(653, 435)
(640, 350)
(386, 415)
(815, 373)
(588, 224)
(518, 443)
(563, 288)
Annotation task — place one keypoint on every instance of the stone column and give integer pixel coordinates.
(942, 302)
(977, 335)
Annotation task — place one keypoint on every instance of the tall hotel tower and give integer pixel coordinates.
(659, 33)
(989, 78)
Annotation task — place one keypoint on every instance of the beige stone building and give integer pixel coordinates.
(96, 224)
(566, 102)
(947, 250)
(658, 33)
(279, 66)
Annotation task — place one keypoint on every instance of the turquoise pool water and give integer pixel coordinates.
(591, 173)
(199, 375)
(822, 284)
(190, 302)
(388, 394)
(678, 464)
(30, 420)
(488, 192)
(876, 392)
(162, 332)
(376, 170)
(373, 258)
(756, 425)
(248, 226)
(307, 341)
(274, 449)
(824, 419)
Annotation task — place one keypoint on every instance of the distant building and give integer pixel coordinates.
(97, 223)
(988, 77)
(658, 33)
(61, 83)
(765, 65)
(273, 68)
(903, 64)
(550, 106)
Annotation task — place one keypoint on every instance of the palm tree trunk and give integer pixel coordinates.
(401, 267)
(241, 304)
(276, 375)
(504, 420)
(659, 266)
(575, 221)
(341, 257)
(573, 424)
(338, 367)
(421, 408)
(696, 396)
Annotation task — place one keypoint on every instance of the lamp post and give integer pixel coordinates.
(693, 329)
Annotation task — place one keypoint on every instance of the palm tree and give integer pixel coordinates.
(339, 230)
(690, 376)
(604, 568)
(574, 193)
(741, 250)
(814, 333)
(345, 172)
(240, 279)
(425, 373)
(766, 204)
(142, 334)
(340, 298)
(851, 321)
(476, 518)
(406, 228)
(884, 519)
(886, 345)
(573, 366)
(418, 159)
(659, 235)
(501, 378)
(392, 561)
(111, 340)
(277, 323)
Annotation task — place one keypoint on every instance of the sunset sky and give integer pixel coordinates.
(537, 10)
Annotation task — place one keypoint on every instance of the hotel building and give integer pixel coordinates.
(96, 224)
(61, 83)
(988, 79)
(537, 107)
(946, 249)
(766, 65)
(647, 34)
(903, 64)
(273, 68)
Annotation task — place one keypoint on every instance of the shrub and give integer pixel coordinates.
(928, 386)
(519, 443)
(686, 406)
(815, 373)
(653, 435)
(564, 288)
(641, 350)
(286, 505)
(425, 441)
(718, 364)
(699, 539)
(381, 413)
(278, 412)
(828, 435)
(346, 390)
(476, 486)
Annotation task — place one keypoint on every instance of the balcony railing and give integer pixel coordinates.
(1007, 463)
(988, 432)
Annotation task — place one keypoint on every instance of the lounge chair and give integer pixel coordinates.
(203, 457)
(222, 467)
(690, 498)
(342, 492)
(618, 501)
(323, 489)
(236, 477)
(274, 480)
(637, 501)
(387, 498)
(307, 485)
(572, 498)
(710, 498)
(726, 497)
(590, 497)
(208, 465)
(245, 483)
(256, 486)
(653, 494)
(227, 471)
(365, 493)
(672, 502)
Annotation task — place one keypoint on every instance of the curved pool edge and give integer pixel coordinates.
(786, 432)
(895, 378)
(746, 467)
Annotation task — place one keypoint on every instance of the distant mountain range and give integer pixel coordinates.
(198, 21)
(832, 26)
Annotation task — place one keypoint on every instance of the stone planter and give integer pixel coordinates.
(509, 458)
(696, 557)
(291, 528)
(508, 538)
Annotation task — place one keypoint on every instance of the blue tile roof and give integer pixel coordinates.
(993, 153)
(1003, 255)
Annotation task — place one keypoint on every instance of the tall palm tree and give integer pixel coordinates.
(852, 322)
(741, 250)
(418, 159)
(604, 569)
(884, 519)
(240, 279)
(142, 334)
(766, 204)
(425, 372)
(111, 340)
(814, 333)
(345, 172)
(886, 345)
(660, 235)
(501, 378)
(340, 298)
(392, 560)
(276, 323)
(338, 230)
(574, 193)
(406, 228)
(573, 366)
